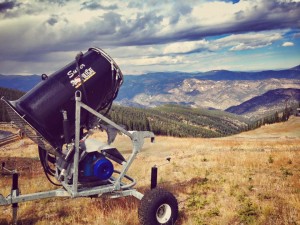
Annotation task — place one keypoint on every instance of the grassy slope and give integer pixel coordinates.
(250, 178)
(171, 120)
(180, 121)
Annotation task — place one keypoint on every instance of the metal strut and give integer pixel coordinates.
(114, 188)
(15, 192)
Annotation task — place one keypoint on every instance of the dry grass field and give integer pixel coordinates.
(250, 178)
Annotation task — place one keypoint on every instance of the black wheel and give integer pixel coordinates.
(158, 206)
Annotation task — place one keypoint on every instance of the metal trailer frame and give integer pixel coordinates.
(115, 189)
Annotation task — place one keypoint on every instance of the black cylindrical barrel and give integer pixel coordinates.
(99, 80)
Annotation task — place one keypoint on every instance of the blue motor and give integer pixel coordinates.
(95, 167)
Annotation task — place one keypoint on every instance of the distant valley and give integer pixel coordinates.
(213, 90)
(270, 102)
(208, 93)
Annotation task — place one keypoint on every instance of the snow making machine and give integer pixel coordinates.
(58, 114)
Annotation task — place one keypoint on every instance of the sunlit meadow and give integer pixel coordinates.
(250, 178)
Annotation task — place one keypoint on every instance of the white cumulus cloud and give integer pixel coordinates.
(186, 46)
(254, 40)
(288, 44)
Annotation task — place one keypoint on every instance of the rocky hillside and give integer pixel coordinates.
(207, 93)
(219, 89)
(271, 101)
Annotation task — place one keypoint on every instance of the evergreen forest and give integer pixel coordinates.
(8, 94)
(174, 120)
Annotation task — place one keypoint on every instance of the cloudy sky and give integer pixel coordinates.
(42, 36)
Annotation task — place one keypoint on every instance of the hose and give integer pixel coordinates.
(45, 159)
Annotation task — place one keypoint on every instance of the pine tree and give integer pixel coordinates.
(276, 117)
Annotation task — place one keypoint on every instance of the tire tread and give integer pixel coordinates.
(151, 200)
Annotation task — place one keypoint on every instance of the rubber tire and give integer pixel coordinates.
(150, 204)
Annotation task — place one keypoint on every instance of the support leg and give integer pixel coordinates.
(15, 192)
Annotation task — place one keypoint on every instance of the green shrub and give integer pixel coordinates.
(270, 160)
(248, 212)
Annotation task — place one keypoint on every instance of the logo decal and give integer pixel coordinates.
(85, 75)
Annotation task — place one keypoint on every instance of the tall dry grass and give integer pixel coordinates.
(250, 178)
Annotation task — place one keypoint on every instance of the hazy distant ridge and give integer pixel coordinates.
(161, 81)
(17, 82)
(218, 89)
(271, 101)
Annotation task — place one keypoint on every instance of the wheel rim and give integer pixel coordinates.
(163, 213)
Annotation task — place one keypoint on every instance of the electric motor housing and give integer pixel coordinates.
(95, 167)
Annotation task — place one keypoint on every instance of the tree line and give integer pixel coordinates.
(277, 117)
(174, 120)
(9, 94)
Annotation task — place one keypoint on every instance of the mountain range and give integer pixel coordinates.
(270, 102)
(217, 89)
(18, 82)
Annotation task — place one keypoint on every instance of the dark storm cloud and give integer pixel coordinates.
(6, 5)
(52, 20)
(275, 15)
(20, 9)
(112, 29)
(94, 5)
(271, 15)
(59, 2)
(78, 25)
(144, 29)
(136, 30)
(196, 50)
(105, 25)
(233, 1)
